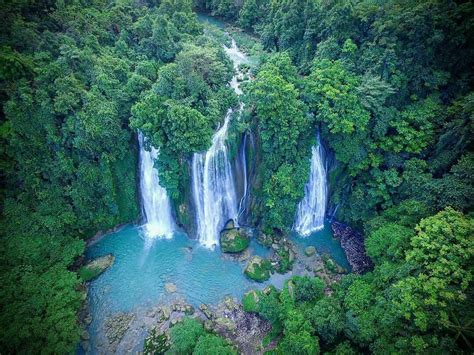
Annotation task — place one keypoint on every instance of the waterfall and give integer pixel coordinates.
(212, 179)
(312, 209)
(156, 204)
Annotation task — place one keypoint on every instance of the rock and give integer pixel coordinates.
(207, 312)
(310, 251)
(352, 242)
(275, 246)
(96, 267)
(85, 335)
(229, 224)
(156, 342)
(189, 310)
(174, 321)
(165, 313)
(208, 325)
(291, 256)
(170, 287)
(229, 303)
(234, 240)
(258, 269)
(116, 327)
(86, 345)
(264, 239)
(226, 323)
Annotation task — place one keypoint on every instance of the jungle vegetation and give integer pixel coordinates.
(387, 83)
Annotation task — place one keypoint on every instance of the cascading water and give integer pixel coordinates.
(312, 209)
(156, 204)
(212, 179)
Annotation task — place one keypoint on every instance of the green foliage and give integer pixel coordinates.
(190, 337)
(185, 335)
(87, 274)
(443, 250)
(39, 298)
(388, 242)
(70, 74)
(331, 93)
(180, 112)
(283, 128)
(213, 345)
(307, 289)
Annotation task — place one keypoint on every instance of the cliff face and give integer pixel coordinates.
(353, 244)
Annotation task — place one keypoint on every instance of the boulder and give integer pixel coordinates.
(96, 267)
(170, 287)
(165, 313)
(310, 251)
(264, 239)
(258, 269)
(85, 335)
(206, 311)
(229, 224)
(234, 240)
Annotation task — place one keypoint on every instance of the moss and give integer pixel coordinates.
(156, 343)
(125, 186)
(258, 269)
(251, 301)
(332, 266)
(284, 263)
(96, 267)
(234, 240)
(89, 273)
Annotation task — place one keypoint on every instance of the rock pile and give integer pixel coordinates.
(353, 244)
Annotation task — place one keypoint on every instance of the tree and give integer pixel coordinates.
(185, 336)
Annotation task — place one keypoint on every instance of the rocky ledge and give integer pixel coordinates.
(353, 244)
(96, 267)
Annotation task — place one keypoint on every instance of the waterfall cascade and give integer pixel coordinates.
(212, 179)
(156, 204)
(312, 209)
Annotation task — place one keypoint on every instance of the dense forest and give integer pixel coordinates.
(388, 84)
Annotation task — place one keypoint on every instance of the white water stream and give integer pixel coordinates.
(213, 183)
(312, 209)
(155, 201)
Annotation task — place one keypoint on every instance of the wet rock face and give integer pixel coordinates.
(353, 244)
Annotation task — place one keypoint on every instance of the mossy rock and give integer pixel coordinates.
(96, 267)
(310, 251)
(234, 240)
(251, 300)
(258, 269)
(332, 266)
